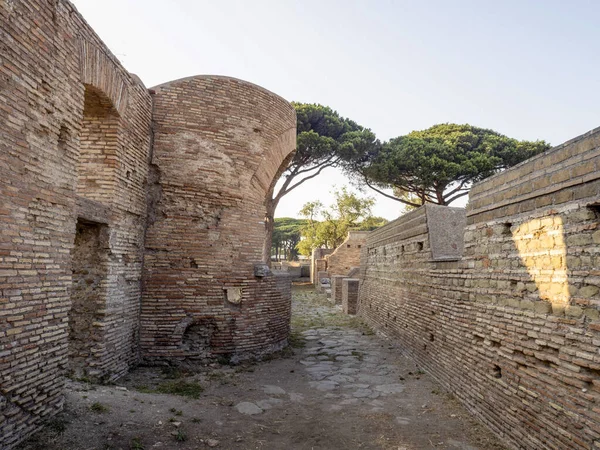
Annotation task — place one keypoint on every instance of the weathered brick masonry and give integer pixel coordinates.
(75, 181)
(216, 162)
(74, 143)
(347, 255)
(513, 327)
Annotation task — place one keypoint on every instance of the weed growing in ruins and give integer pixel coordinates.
(182, 388)
(180, 436)
(56, 425)
(99, 408)
(136, 444)
(358, 355)
(172, 373)
(296, 340)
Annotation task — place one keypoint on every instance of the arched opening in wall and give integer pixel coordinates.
(197, 339)
(98, 160)
(88, 295)
(96, 181)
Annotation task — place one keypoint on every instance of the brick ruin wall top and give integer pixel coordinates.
(512, 327)
(214, 165)
(347, 255)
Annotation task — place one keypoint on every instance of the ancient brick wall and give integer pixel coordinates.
(513, 327)
(347, 255)
(59, 86)
(219, 143)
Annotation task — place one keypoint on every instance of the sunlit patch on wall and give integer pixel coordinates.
(542, 249)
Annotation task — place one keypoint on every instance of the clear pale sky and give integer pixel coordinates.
(528, 69)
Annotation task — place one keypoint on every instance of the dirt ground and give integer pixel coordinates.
(337, 387)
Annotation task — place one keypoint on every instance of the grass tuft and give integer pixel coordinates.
(99, 408)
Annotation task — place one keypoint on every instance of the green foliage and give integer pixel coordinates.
(136, 444)
(324, 139)
(440, 164)
(286, 236)
(328, 227)
(372, 223)
(99, 408)
(180, 435)
(178, 387)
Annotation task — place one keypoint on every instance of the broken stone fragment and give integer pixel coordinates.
(248, 408)
(261, 270)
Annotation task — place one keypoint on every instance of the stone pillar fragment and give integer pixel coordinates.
(336, 289)
(322, 281)
(350, 295)
(320, 266)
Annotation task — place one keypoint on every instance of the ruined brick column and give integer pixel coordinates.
(350, 295)
(336, 289)
(219, 144)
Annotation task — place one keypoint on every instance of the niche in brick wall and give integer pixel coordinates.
(197, 339)
(88, 295)
(96, 175)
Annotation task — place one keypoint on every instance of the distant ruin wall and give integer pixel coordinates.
(215, 163)
(513, 327)
(347, 255)
(74, 145)
(317, 263)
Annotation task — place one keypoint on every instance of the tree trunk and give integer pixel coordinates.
(269, 225)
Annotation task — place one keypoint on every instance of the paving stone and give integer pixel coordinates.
(248, 408)
(324, 385)
(273, 390)
(390, 388)
(362, 393)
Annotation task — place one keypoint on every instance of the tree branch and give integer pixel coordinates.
(459, 188)
(406, 202)
(457, 196)
(283, 191)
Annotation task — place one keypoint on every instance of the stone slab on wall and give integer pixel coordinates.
(446, 227)
(513, 327)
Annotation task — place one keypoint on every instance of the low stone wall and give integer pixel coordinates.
(512, 327)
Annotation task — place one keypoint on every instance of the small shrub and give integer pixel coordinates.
(99, 408)
(180, 436)
(136, 444)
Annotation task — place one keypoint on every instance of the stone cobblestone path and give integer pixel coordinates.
(342, 388)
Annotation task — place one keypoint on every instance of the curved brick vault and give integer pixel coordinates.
(218, 144)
